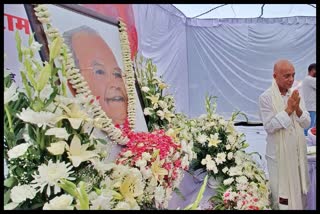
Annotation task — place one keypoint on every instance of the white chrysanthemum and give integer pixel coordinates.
(102, 202)
(231, 139)
(233, 171)
(221, 157)
(210, 164)
(228, 181)
(101, 166)
(242, 179)
(58, 132)
(225, 169)
(49, 175)
(228, 147)
(21, 193)
(18, 150)
(57, 148)
(146, 173)
(141, 163)
(146, 156)
(127, 154)
(119, 171)
(10, 94)
(185, 161)
(202, 138)
(163, 104)
(160, 114)
(41, 118)
(145, 89)
(230, 155)
(122, 205)
(159, 195)
(62, 202)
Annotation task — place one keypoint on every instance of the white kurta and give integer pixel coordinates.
(274, 122)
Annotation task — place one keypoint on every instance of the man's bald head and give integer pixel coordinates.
(283, 73)
(281, 65)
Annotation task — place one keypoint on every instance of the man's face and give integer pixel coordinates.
(100, 69)
(313, 72)
(284, 76)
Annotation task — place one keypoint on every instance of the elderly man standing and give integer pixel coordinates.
(284, 117)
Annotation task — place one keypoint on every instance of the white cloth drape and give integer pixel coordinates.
(230, 58)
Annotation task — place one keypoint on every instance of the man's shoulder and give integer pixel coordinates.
(266, 93)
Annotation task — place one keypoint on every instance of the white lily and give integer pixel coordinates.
(78, 153)
(10, 94)
(74, 114)
(57, 148)
(18, 150)
(58, 132)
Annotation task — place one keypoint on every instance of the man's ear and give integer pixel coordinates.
(274, 75)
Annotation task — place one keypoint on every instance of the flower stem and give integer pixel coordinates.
(9, 118)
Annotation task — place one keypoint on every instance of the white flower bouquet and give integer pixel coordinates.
(245, 189)
(159, 108)
(161, 163)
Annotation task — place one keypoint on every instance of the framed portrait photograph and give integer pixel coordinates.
(94, 41)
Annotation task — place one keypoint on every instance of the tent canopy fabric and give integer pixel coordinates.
(229, 58)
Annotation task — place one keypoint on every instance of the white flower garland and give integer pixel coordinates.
(129, 73)
(80, 84)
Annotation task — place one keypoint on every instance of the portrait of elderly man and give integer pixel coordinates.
(99, 67)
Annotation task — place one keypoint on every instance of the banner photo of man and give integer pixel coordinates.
(123, 11)
(96, 49)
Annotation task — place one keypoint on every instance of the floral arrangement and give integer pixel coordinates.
(158, 158)
(213, 145)
(220, 154)
(48, 137)
(159, 108)
(246, 187)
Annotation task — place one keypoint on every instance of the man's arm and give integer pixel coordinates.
(272, 122)
(313, 82)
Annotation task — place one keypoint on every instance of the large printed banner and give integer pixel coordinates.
(96, 48)
(15, 19)
(123, 11)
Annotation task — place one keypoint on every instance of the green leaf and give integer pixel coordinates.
(37, 105)
(83, 197)
(69, 187)
(44, 77)
(52, 96)
(30, 39)
(196, 203)
(6, 197)
(18, 45)
(30, 73)
(55, 47)
(37, 205)
(10, 182)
